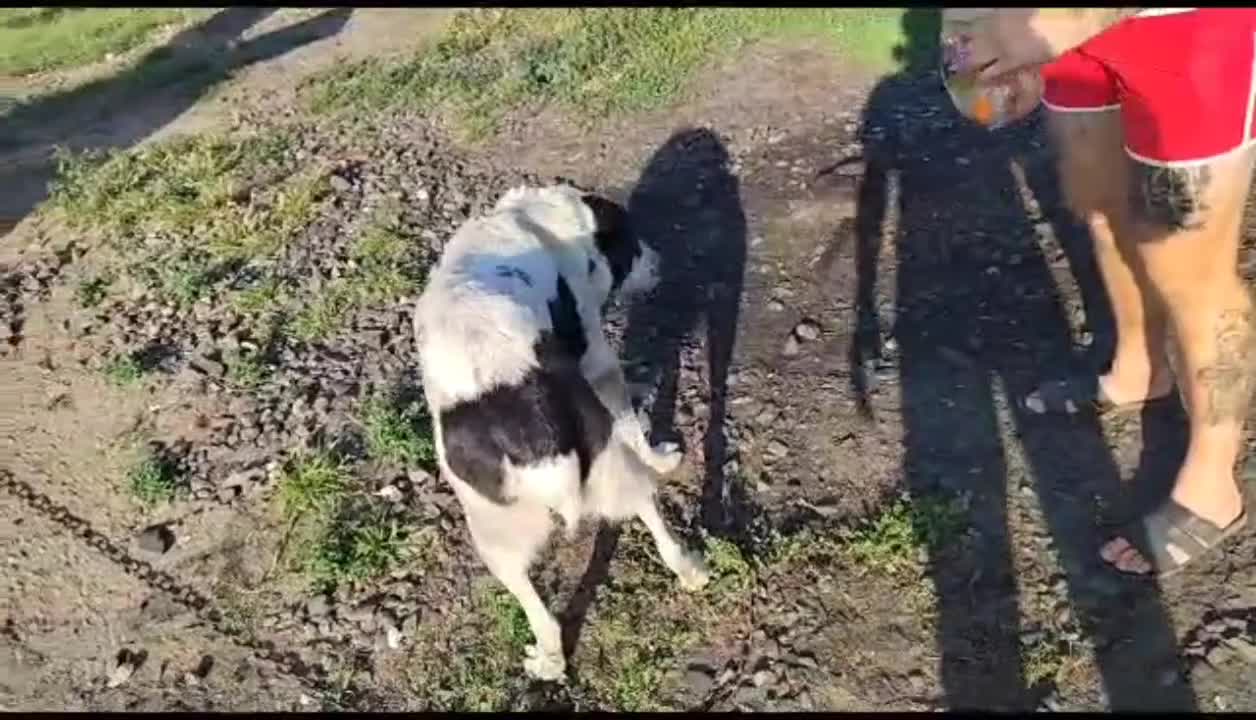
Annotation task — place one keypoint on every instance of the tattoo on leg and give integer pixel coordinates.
(1228, 382)
(1170, 197)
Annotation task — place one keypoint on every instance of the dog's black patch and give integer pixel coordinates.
(553, 411)
(569, 340)
(615, 238)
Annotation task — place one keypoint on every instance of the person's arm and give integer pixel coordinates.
(1004, 40)
(1063, 29)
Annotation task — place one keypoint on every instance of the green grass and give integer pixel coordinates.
(487, 649)
(41, 39)
(190, 213)
(151, 480)
(343, 537)
(893, 540)
(397, 433)
(644, 621)
(247, 370)
(365, 540)
(123, 371)
(731, 570)
(313, 483)
(598, 61)
(385, 266)
(93, 290)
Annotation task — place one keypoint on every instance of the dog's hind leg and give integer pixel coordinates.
(507, 538)
(632, 492)
(601, 367)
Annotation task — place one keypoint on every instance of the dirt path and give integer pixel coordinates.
(802, 210)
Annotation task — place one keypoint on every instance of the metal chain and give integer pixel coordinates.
(288, 662)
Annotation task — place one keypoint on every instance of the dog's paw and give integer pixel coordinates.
(667, 457)
(692, 572)
(541, 665)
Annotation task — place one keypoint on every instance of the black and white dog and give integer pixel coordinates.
(530, 408)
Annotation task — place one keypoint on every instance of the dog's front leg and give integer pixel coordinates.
(601, 367)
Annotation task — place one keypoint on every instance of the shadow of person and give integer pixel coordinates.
(977, 321)
(122, 110)
(687, 204)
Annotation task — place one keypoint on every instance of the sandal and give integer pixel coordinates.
(1071, 395)
(1172, 536)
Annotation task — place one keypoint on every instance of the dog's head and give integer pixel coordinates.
(618, 262)
(631, 266)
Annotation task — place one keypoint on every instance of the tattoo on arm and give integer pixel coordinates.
(1170, 197)
(1229, 381)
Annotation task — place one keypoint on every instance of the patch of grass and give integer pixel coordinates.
(731, 571)
(313, 483)
(893, 540)
(643, 624)
(123, 371)
(92, 290)
(384, 267)
(364, 541)
(41, 39)
(247, 369)
(239, 613)
(1042, 662)
(598, 61)
(398, 433)
(151, 480)
(486, 652)
(192, 212)
(344, 538)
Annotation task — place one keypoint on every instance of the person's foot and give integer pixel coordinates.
(1103, 393)
(1127, 388)
(1197, 518)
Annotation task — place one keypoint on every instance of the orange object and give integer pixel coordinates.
(983, 110)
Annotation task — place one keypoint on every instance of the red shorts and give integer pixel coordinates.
(1183, 79)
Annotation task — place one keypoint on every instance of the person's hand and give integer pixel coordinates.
(993, 43)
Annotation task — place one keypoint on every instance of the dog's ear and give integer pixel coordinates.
(611, 217)
(614, 237)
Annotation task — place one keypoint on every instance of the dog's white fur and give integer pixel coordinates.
(476, 328)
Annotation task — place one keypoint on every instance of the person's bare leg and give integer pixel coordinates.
(1188, 222)
(1092, 166)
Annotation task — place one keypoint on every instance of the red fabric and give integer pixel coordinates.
(1184, 82)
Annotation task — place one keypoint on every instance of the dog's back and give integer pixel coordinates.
(500, 337)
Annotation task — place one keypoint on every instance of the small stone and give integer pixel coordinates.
(762, 677)
(340, 184)
(157, 539)
(699, 680)
(410, 625)
(392, 636)
(1244, 647)
(204, 667)
(776, 306)
(120, 675)
(767, 416)
(318, 606)
(791, 346)
(390, 493)
(207, 366)
(1218, 655)
(776, 450)
(807, 330)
